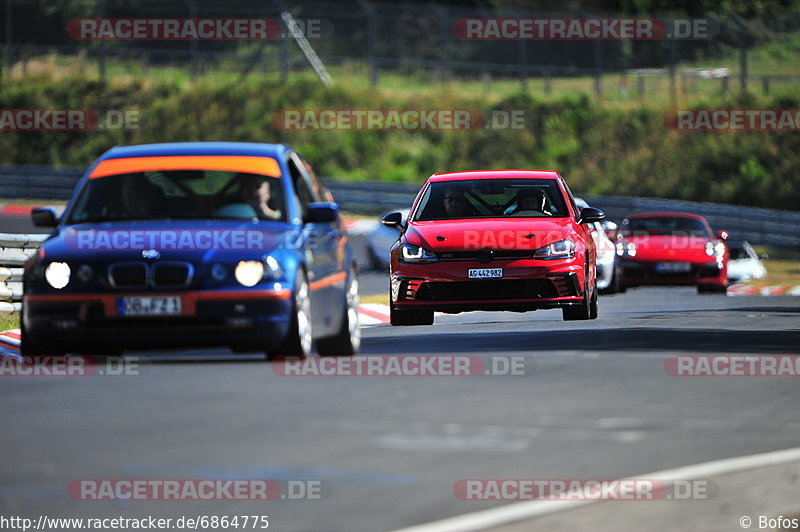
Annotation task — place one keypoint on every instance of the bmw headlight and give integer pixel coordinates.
(715, 249)
(563, 249)
(57, 274)
(249, 272)
(626, 249)
(416, 254)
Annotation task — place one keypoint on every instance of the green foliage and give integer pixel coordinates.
(600, 150)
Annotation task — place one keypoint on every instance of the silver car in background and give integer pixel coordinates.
(744, 263)
(607, 278)
(379, 243)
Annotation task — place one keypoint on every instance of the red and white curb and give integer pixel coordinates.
(760, 290)
(373, 314)
(9, 344)
(15, 210)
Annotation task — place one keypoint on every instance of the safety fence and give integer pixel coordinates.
(14, 251)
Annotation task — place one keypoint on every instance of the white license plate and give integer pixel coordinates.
(673, 267)
(485, 273)
(150, 306)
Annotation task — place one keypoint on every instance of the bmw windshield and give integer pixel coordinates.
(179, 194)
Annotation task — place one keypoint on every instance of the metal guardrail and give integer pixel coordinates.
(14, 251)
(759, 226)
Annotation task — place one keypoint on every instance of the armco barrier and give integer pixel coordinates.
(759, 226)
(14, 251)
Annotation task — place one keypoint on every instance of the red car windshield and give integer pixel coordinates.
(491, 198)
(665, 226)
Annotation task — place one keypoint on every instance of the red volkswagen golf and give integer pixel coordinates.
(672, 248)
(493, 240)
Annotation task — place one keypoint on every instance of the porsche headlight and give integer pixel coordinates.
(715, 249)
(249, 272)
(416, 254)
(57, 274)
(626, 249)
(563, 249)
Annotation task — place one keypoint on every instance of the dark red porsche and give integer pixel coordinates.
(672, 248)
(493, 240)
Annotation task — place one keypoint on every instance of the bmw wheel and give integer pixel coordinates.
(298, 341)
(348, 340)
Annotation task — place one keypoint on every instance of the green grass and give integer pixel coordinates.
(781, 56)
(9, 321)
(615, 146)
(783, 266)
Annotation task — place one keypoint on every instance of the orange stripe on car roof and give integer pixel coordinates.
(224, 163)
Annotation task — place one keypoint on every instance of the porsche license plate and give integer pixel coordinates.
(149, 306)
(485, 273)
(673, 267)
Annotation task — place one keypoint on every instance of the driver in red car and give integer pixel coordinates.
(455, 204)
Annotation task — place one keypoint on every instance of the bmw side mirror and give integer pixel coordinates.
(590, 214)
(321, 213)
(393, 219)
(44, 217)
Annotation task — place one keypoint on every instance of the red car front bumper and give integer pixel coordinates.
(641, 273)
(525, 285)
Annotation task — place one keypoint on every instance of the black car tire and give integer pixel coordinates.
(582, 311)
(613, 287)
(348, 340)
(711, 289)
(26, 347)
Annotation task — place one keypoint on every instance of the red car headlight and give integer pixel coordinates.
(562, 249)
(416, 254)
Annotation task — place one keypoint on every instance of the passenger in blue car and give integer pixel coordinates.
(256, 191)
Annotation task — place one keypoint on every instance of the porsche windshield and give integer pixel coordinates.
(666, 226)
(491, 198)
(177, 194)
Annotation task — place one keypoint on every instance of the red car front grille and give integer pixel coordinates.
(486, 290)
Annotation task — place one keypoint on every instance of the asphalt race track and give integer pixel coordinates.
(594, 401)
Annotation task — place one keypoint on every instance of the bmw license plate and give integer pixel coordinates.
(485, 273)
(673, 267)
(149, 306)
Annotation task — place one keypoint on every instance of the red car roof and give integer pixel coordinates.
(495, 174)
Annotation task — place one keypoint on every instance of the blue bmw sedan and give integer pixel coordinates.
(193, 244)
